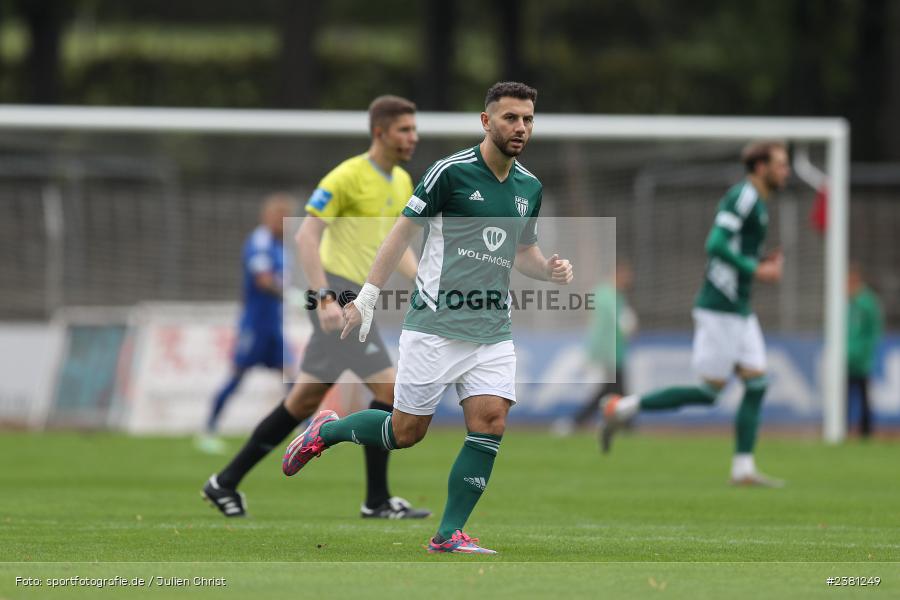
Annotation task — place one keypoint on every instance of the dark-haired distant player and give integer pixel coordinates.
(727, 337)
(259, 341)
(348, 216)
(480, 208)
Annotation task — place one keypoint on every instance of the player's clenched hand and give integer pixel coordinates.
(352, 319)
(560, 270)
(770, 268)
(360, 312)
(329, 314)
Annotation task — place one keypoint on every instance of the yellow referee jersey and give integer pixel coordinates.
(357, 188)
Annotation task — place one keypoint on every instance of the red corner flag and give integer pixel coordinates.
(818, 216)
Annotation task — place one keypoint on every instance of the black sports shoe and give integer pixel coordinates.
(230, 503)
(394, 508)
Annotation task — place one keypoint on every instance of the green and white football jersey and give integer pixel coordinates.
(474, 224)
(744, 214)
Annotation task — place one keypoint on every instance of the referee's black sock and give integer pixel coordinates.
(376, 467)
(270, 432)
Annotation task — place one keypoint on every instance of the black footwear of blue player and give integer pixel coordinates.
(394, 508)
(230, 503)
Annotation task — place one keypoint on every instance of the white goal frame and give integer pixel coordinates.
(833, 132)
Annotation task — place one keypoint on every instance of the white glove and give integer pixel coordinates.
(295, 297)
(365, 304)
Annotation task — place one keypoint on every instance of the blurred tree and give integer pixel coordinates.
(871, 67)
(791, 57)
(509, 16)
(45, 19)
(298, 74)
(890, 121)
(435, 83)
(804, 87)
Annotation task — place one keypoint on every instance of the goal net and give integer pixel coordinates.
(120, 207)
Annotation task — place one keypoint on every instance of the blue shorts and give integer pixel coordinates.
(265, 348)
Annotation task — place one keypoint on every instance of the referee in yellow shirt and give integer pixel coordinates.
(336, 253)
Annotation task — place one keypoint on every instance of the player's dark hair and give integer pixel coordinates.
(757, 152)
(384, 109)
(509, 89)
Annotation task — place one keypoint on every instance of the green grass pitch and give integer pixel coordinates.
(654, 519)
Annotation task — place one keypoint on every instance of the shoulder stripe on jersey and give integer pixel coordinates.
(432, 175)
(729, 221)
(444, 168)
(524, 172)
(746, 200)
(438, 165)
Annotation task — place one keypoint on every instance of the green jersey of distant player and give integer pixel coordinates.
(473, 225)
(743, 220)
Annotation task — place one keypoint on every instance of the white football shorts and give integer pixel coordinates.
(428, 364)
(724, 341)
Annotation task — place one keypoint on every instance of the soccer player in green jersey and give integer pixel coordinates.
(479, 207)
(864, 329)
(727, 336)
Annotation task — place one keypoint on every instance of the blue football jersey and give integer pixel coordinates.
(262, 253)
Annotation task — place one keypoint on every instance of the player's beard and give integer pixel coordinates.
(503, 144)
(775, 184)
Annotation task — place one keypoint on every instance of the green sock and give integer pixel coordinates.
(468, 478)
(675, 397)
(370, 427)
(746, 422)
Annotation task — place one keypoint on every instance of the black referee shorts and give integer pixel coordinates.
(327, 355)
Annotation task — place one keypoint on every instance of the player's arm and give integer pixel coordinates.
(308, 239)
(718, 245)
(395, 245)
(409, 264)
(531, 262)
(259, 263)
(392, 250)
(771, 267)
(268, 283)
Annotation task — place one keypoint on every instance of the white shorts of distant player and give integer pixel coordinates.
(429, 364)
(723, 341)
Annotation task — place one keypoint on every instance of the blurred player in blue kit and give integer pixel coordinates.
(260, 341)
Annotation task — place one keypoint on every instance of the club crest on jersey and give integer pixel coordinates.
(493, 237)
(522, 205)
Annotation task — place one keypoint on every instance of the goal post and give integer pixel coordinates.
(832, 133)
